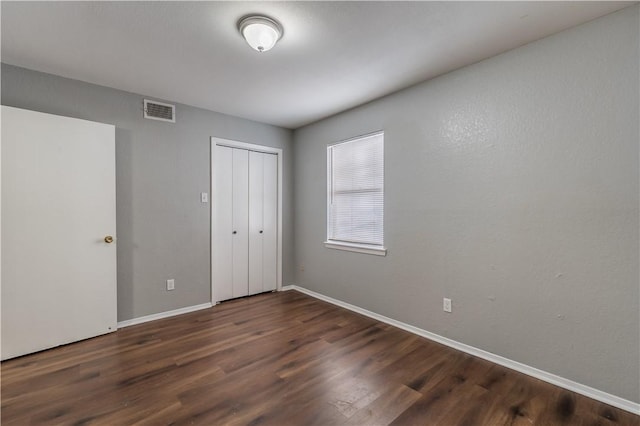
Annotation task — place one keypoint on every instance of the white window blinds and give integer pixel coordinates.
(355, 171)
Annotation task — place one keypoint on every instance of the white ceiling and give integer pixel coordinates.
(333, 56)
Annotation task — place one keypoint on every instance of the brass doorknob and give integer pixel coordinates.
(108, 239)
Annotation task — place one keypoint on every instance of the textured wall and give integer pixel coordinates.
(512, 188)
(163, 229)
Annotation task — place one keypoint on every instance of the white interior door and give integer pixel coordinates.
(223, 225)
(246, 243)
(240, 231)
(263, 225)
(256, 230)
(270, 222)
(58, 205)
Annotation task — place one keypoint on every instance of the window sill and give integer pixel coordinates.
(358, 248)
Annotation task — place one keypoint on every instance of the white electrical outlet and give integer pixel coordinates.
(204, 197)
(446, 305)
(171, 284)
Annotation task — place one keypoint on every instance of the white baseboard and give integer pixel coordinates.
(160, 315)
(588, 391)
(288, 287)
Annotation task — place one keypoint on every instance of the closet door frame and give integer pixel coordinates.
(250, 147)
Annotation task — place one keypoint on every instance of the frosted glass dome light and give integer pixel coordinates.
(261, 32)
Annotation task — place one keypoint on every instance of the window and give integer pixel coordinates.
(355, 195)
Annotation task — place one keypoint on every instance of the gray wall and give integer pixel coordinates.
(163, 229)
(512, 188)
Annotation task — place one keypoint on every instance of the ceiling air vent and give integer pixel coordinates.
(159, 111)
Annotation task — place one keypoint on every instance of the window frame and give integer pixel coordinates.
(374, 249)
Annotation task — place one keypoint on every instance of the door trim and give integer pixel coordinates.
(250, 147)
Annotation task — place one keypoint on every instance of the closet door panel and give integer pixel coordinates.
(256, 201)
(223, 255)
(270, 222)
(240, 235)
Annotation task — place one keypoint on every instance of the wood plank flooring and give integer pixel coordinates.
(279, 359)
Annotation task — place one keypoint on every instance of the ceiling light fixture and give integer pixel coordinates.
(261, 32)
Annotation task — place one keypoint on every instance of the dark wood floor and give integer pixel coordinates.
(279, 359)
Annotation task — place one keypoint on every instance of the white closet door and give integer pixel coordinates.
(58, 220)
(240, 233)
(246, 223)
(270, 222)
(256, 202)
(222, 234)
